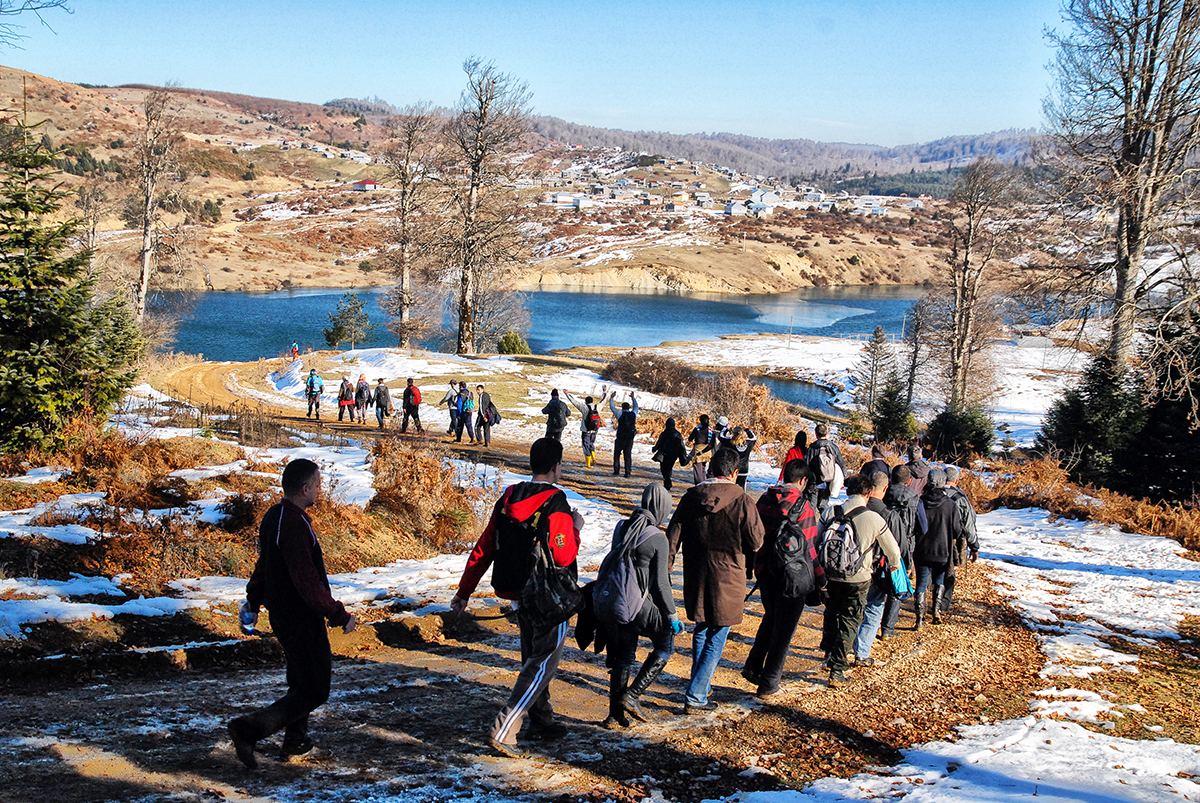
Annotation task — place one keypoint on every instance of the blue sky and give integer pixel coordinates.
(873, 71)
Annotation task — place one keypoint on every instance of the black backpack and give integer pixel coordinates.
(558, 415)
(626, 425)
(789, 557)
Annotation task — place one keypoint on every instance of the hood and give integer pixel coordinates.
(933, 496)
(877, 453)
(670, 425)
(716, 494)
(776, 494)
(919, 469)
(899, 496)
(656, 500)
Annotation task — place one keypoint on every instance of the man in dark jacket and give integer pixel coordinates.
(362, 397)
(783, 597)
(625, 422)
(719, 530)
(823, 454)
(657, 618)
(965, 545)
(906, 517)
(523, 511)
(918, 468)
(412, 407)
(289, 579)
(483, 421)
(557, 412)
(878, 462)
(934, 551)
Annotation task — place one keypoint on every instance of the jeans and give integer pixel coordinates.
(380, 415)
(781, 615)
(927, 572)
(588, 439)
(708, 642)
(843, 617)
(464, 420)
(877, 598)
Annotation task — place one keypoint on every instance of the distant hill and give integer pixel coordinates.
(802, 158)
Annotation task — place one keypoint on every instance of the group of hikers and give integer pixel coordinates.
(855, 558)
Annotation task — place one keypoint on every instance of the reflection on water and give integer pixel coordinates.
(246, 326)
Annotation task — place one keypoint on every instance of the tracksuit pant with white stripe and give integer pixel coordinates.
(540, 654)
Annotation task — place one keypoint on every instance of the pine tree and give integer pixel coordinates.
(875, 364)
(893, 418)
(349, 322)
(61, 353)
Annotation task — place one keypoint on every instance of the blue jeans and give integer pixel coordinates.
(877, 597)
(708, 642)
(930, 574)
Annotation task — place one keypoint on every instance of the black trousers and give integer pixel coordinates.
(305, 643)
(414, 412)
(622, 447)
(843, 616)
(781, 615)
(623, 639)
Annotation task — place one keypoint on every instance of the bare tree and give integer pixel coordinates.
(918, 324)
(10, 32)
(483, 137)
(411, 154)
(93, 202)
(155, 162)
(425, 299)
(1124, 114)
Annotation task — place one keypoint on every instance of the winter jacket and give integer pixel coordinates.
(407, 398)
(871, 530)
(651, 555)
(362, 393)
(969, 542)
(464, 403)
(719, 531)
(725, 440)
(776, 503)
(704, 443)
(485, 401)
(920, 475)
(670, 445)
(905, 517)
(872, 466)
(584, 412)
(345, 393)
(557, 413)
(814, 456)
(945, 527)
(289, 577)
(383, 399)
(795, 453)
(450, 400)
(509, 550)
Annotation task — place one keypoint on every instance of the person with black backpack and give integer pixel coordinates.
(465, 407)
(557, 413)
(849, 535)
(934, 551)
(632, 597)
(626, 422)
(824, 462)
(590, 425)
(667, 449)
(410, 403)
(787, 571)
(362, 397)
(528, 517)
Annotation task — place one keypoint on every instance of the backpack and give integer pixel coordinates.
(416, 396)
(551, 595)
(493, 415)
(841, 552)
(789, 557)
(558, 416)
(592, 420)
(626, 425)
(824, 464)
(469, 402)
(617, 597)
(314, 384)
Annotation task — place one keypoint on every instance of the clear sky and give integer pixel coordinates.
(878, 71)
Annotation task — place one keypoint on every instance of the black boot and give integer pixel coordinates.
(936, 606)
(919, 597)
(649, 673)
(618, 683)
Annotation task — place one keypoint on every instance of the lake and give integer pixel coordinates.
(245, 326)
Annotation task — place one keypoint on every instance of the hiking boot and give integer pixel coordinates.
(935, 611)
(887, 634)
(547, 731)
(296, 748)
(243, 745)
(504, 749)
(765, 692)
(649, 672)
(838, 678)
(690, 709)
(750, 675)
(919, 599)
(869, 662)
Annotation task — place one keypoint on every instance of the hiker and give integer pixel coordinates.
(505, 545)
(295, 351)
(450, 400)
(383, 402)
(742, 440)
(289, 579)
(410, 404)
(483, 419)
(640, 541)
(934, 552)
(590, 425)
(625, 421)
(668, 448)
(313, 387)
(965, 543)
(797, 452)
(877, 463)
(918, 467)
(858, 529)
(346, 398)
(902, 511)
(719, 531)
(704, 441)
(787, 571)
(824, 462)
(465, 407)
(557, 413)
(362, 397)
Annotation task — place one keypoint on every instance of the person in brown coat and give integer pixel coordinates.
(719, 530)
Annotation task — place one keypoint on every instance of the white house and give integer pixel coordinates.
(365, 185)
(760, 210)
(915, 204)
(735, 209)
(760, 196)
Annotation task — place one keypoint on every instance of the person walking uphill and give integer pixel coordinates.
(557, 413)
(525, 511)
(589, 426)
(668, 448)
(289, 579)
(718, 529)
(787, 570)
(625, 420)
(824, 462)
(383, 402)
(465, 406)
(314, 386)
(968, 541)
(649, 554)
(410, 403)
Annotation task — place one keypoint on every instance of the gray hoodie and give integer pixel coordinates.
(651, 556)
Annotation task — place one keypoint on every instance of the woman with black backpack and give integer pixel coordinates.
(667, 449)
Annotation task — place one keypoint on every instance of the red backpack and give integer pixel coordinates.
(416, 395)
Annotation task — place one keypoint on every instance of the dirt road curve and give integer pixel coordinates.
(212, 383)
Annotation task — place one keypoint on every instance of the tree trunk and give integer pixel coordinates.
(143, 286)
(466, 310)
(1128, 265)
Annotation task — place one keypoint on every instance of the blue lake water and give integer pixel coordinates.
(246, 326)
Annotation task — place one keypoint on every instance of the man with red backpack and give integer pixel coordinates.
(411, 402)
(589, 426)
(525, 513)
